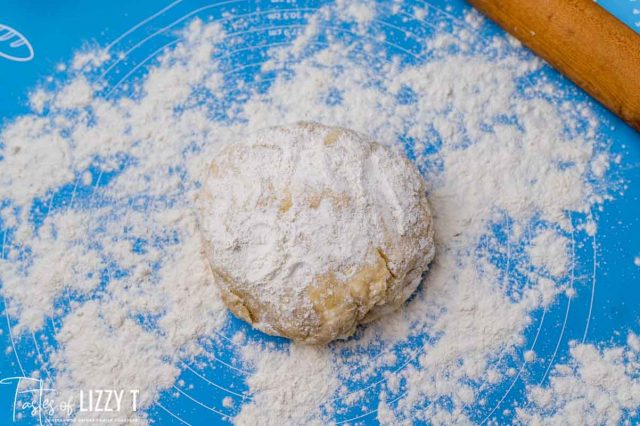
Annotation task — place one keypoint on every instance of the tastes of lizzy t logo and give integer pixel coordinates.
(32, 398)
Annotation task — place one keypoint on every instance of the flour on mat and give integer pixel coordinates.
(597, 387)
(100, 244)
(550, 251)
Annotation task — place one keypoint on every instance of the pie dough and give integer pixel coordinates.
(311, 230)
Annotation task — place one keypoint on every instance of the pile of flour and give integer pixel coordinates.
(100, 249)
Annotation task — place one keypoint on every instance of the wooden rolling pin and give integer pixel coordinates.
(582, 41)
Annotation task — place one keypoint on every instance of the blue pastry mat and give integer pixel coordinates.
(601, 313)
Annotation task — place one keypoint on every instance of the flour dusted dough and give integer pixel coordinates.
(311, 230)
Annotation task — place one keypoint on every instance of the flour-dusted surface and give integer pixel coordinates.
(104, 285)
(597, 387)
(311, 230)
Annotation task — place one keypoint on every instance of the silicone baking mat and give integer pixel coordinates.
(607, 305)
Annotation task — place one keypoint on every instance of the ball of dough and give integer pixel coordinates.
(311, 230)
